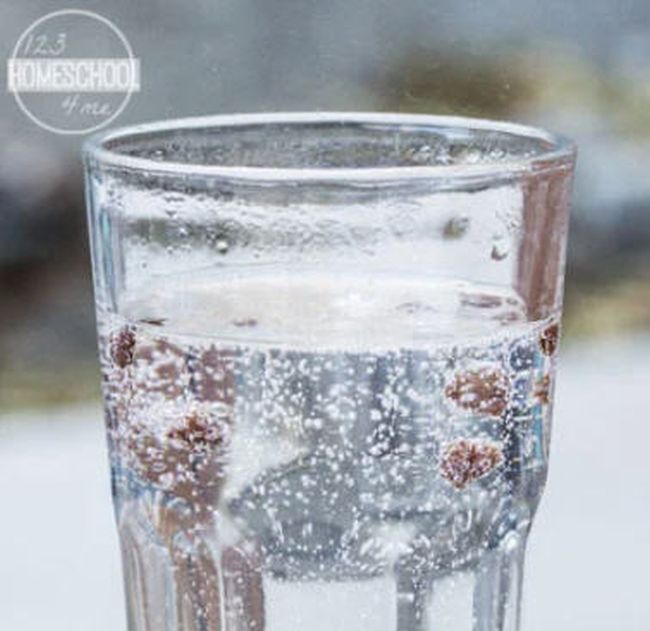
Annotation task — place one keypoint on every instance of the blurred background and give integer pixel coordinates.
(580, 67)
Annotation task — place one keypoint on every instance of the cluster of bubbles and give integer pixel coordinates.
(336, 465)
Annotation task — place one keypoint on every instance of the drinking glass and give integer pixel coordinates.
(328, 347)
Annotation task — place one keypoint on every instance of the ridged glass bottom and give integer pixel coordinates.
(177, 580)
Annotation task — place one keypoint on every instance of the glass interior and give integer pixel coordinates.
(298, 141)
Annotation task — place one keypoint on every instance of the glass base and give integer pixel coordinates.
(177, 580)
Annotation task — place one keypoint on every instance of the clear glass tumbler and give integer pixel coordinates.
(328, 347)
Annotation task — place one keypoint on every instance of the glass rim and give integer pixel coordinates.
(561, 150)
